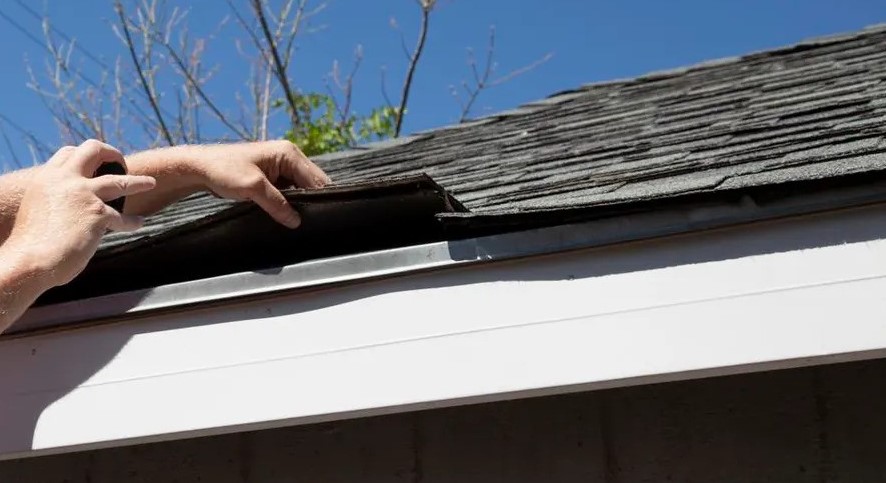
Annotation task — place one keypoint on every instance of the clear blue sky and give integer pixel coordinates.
(592, 40)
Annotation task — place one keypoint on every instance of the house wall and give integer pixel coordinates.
(819, 424)
(747, 298)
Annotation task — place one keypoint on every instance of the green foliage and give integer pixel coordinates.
(322, 130)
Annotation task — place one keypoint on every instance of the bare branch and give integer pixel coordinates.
(426, 7)
(346, 86)
(284, 14)
(264, 115)
(252, 35)
(195, 84)
(118, 7)
(394, 25)
(521, 70)
(484, 81)
(384, 89)
(279, 69)
(39, 148)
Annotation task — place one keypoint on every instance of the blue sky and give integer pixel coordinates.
(591, 40)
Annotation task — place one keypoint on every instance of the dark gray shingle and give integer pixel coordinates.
(812, 110)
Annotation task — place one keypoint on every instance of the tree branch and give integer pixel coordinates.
(521, 70)
(346, 86)
(482, 81)
(278, 64)
(199, 91)
(118, 7)
(426, 7)
(384, 89)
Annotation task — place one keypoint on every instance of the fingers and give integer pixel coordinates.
(119, 222)
(303, 172)
(87, 157)
(274, 203)
(111, 187)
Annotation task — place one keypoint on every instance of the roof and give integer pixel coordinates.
(813, 111)
(787, 136)
(816, 109)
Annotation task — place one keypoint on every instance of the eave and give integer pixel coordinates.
(636, 299)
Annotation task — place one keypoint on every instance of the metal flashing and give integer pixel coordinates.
(337, 220)
(616, 228)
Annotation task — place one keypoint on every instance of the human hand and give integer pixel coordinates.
(63, 215)
(252, 171)
(256, 172)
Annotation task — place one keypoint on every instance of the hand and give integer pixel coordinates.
(246, 171)
(63, 215)
(255, 171)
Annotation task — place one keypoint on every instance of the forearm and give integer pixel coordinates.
(177, 171)
(12, 188)
(22, 281)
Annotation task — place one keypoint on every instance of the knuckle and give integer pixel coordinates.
(121, 183)
(95, 207)
(92, 146)
(254, 182)
(283, 145)
(287, 150)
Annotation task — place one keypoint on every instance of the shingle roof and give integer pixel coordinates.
(813, 110)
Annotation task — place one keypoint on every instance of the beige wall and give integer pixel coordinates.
(806, 425)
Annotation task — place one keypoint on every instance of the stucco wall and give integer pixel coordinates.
(806, 425)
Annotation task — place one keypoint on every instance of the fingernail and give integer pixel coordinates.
(294, 220)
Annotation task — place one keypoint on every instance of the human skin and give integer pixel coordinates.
(52, 217)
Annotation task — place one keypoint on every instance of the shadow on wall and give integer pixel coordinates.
(38, 372)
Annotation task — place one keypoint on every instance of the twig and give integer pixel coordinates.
(403, 47)
(384, 89)
(426, 7)
(200, 93)
(118, 7)
(347, 86)
(42, 148)
(278, 64)
(482, 81)
(252, 35)
(299, 12)
(89, 55)
(521, 70)
(265, 110)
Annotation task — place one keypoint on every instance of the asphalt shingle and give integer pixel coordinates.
(804, 112)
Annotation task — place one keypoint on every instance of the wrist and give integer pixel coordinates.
(27, 273)
(23, 278)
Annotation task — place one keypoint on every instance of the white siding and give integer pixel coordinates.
(790, 293)
(814, 425)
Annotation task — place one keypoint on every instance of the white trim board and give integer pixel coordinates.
(757, 297)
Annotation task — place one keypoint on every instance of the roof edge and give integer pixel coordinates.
(607, 230)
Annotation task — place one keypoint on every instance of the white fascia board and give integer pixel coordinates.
(787, 293)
